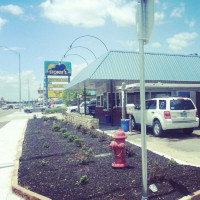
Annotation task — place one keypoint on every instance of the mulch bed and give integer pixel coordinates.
(49, 171)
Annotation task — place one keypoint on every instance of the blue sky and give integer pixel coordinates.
(44, 29)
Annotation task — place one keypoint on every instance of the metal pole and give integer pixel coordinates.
(142, 102)
(123, 100)
(19, 84)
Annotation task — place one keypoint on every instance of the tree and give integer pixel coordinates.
(70, 97)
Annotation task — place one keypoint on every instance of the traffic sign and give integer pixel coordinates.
(146, 18)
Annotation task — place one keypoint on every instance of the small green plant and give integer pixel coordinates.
(84, 156)
(63, 130)
(65, 135)
(46, 145)
(157, 173)
(83, 180)
(84, 130)
(71, 138)
(93, 133)
(41, 138)
(44, 118)
(102, 138)
(34, 117)
(79, 142)
(130, 151)
(56, 127)
(42, 163)
(172, 162)
(37, 131)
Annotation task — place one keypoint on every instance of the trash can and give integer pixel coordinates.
(108, 118)
(125, 124)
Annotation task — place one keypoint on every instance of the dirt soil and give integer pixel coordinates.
(47, 168)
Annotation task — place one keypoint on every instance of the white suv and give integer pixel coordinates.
(167, 113)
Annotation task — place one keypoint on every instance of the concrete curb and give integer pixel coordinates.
(16, 188)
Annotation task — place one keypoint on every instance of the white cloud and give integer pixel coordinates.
(2, 22)
(178, 11)
(156, 45)
(12, 9)
(10, 85)
(159, 17)
(89, 13)
(191, 23)
(181, 40)
(130, 44)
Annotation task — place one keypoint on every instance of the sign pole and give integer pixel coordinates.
(145, 22)
(142, 99)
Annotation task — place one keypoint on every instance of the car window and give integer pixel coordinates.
(151, 104)
(162, 104)
(181, 104)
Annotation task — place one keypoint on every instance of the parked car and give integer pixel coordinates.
(91, 107)
(16, 107)
(36, 108)
(166, 113)
(5, 107)
(70, 109)
(10, 106)
(82, 108)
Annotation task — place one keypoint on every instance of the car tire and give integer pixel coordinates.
(157, 129)
(133, 123)
(188, 130)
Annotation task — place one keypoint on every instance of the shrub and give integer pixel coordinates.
(130, 151)
(37, 131)
(71, 138)
(156, 173)
(102, 138)
(83, 180)
(65, 135)
(84, 130)
(84, 156)
(93, 133)
(46, 145)
(41, 138)
(54, 110)
(63, 130)
(79, 142)
(44, 118)
(55, 127)
(172, 162)
(42, 163)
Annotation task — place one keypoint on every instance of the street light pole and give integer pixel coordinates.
(15, 52)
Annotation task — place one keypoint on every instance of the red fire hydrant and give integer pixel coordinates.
(119, 149)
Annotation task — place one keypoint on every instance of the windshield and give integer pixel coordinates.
(181, 105)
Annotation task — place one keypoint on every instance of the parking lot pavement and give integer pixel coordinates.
(183, 148)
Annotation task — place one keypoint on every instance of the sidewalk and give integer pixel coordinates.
(10, 134)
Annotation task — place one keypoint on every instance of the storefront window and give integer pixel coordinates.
(105, 100)
(100, 100)
(117, 100)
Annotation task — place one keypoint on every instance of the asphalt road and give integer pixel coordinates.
(3, 114)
